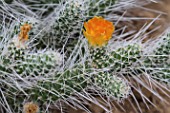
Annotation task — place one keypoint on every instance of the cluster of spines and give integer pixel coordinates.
(59, 85)
(26, 63)
(64, 84)
(158, 64)
(46, 90)
(100, 7)
(65, 29)
(111, 85)
(117, 59)
(120, 58)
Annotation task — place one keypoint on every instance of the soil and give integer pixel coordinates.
(162, 23)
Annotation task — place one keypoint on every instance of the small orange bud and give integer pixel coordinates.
(23, 35)
(31, 107)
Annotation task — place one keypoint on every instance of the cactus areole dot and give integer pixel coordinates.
(98, 31)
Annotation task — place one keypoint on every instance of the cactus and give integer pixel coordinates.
(38, 81)
(44, 69)
(118, 59)
(158, 63)
(66, 28)
(27, 63)
(66, 24)
(100, 7)
(111, 85)
(47, 90)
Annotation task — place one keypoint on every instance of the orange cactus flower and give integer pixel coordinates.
(23, 35)
(98, 31)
